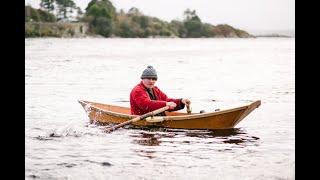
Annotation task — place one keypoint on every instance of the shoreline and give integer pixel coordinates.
(95, 37)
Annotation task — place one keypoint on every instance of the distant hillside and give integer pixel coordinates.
(224, 30)
(273, 33)
(102, 18)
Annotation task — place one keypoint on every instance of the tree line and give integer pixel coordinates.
(104, 19)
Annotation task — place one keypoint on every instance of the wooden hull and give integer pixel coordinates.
(225, 119)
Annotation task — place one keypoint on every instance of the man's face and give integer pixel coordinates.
(149, 82)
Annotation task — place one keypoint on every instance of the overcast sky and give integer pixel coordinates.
(250, 15)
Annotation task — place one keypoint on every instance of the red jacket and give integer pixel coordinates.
(141, 103)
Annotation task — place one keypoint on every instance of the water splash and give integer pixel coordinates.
(71, 130)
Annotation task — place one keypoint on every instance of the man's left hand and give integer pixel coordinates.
(186, 101)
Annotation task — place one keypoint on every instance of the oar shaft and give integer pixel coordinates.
(152, 113)
(118, 126)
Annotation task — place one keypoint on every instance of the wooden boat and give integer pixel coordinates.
(223, 119)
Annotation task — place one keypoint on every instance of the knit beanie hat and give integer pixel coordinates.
(149, 73)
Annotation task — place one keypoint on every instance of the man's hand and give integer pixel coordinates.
(171, 105)
(186, 101)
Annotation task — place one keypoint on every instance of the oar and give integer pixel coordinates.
(152, 113)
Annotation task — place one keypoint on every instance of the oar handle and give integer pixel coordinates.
(189, 109)
(152, 113)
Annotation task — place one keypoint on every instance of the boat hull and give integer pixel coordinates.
(226, 119)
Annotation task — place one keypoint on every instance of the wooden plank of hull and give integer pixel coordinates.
(225, 119)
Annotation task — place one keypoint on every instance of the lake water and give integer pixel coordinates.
(213, 73)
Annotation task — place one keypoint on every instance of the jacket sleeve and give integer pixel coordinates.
(144, 102)
(164, 97)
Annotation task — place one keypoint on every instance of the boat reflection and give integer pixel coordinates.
(236, 136)
(147, 139)
(155, 141)
(151, 136)
(154, 136)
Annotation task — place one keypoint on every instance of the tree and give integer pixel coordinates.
(47, 5)
(65, 7)
(121, 13)
(143, 21)
(31, 14)
(207, 30)
(125, 30)
(191, 15)
(38, 15)
(134, 12)
(46, 16)
(79, 13)
(194, 28)
(105, 8)
(101, 16)
(192, 24)
(177, 27)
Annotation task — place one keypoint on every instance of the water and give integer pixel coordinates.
(212, 73)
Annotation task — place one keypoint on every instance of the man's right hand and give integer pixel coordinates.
(171, 105)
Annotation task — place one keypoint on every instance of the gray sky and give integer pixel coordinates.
(249, 15)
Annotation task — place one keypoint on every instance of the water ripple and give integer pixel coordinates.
(155, 136)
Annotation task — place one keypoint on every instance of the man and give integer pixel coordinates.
(146, 97)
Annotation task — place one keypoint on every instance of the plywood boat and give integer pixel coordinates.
(223, 119)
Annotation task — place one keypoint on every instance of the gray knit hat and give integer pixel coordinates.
(149, 73)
